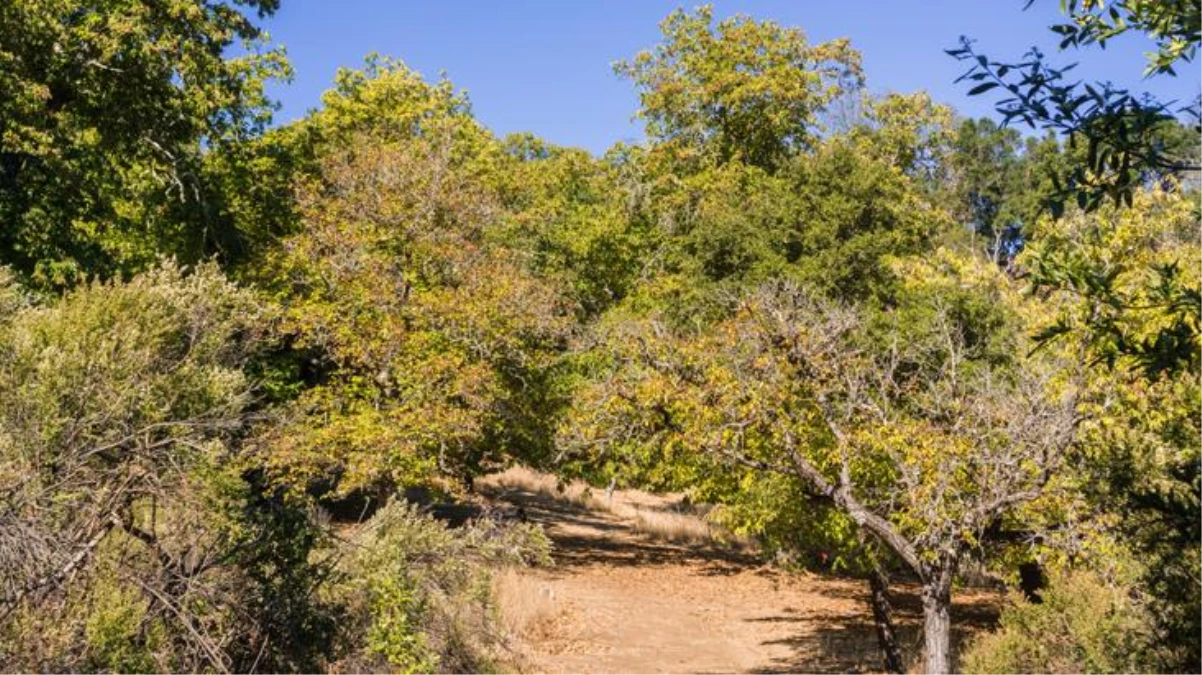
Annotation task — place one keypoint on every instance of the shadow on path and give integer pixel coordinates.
(825, 622)
(588, 537)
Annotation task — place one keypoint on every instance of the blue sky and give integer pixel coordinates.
(545, 66)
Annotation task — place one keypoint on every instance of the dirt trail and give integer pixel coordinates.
(618, 601)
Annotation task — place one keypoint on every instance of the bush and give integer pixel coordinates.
(1085, 624)
(133, 536)
(419, 595)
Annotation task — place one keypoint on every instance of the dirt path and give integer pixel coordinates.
(619, 602)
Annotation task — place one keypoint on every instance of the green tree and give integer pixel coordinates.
(1126, 138)
(744, 88)
(105, 115)
(573, 216)
(1000, 184)
(829, 213)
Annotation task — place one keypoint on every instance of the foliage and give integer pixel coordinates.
(1126, 141)
(253, 194)
(860, 211)
(1085, 624)
(104, 117)
(830, 218)
(742, 89)
(1140, 461)
(924, 436)
(1126, 280)
(1174, 26)
(1000, 184)
(846, 320)
(128, 523)
(1122, 283)
(421, 594)
(433, 342)
(571, 217)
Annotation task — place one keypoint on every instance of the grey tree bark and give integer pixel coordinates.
(937, 626)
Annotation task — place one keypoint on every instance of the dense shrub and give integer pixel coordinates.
(1085, 624)
(419, 595)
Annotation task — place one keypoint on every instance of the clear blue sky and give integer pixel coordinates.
(545, 65)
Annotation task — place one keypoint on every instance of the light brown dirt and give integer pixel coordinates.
(619, 602)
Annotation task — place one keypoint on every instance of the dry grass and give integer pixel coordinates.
(520, 479)
(664, 517)
(675, 526)
(527, 604)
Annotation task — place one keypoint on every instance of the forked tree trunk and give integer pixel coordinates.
(882, 616)
(937, 627)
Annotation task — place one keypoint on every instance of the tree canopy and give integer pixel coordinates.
(104, 118)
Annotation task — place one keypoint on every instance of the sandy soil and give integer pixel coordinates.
(618, 601)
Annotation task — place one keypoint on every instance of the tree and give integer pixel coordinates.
(999, 184)
(1123, 283)
(139, 527)
(745, 88)
(1127, 139)
(1123, 279)
(105, 115)
(1130, 273)
(1175, 26)
(430, 343)
(574, 217)
(829, 213)
(920, 435)
(1125, 142)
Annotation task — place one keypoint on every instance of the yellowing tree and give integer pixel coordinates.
(1123, 283)
(431, 341)
(913, 425)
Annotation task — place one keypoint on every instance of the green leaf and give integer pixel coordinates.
(982, 88)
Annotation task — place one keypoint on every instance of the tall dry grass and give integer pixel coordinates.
(527, 604)
(662, 517)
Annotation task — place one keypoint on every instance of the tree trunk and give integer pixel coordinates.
(937, 627)
(882, 616)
